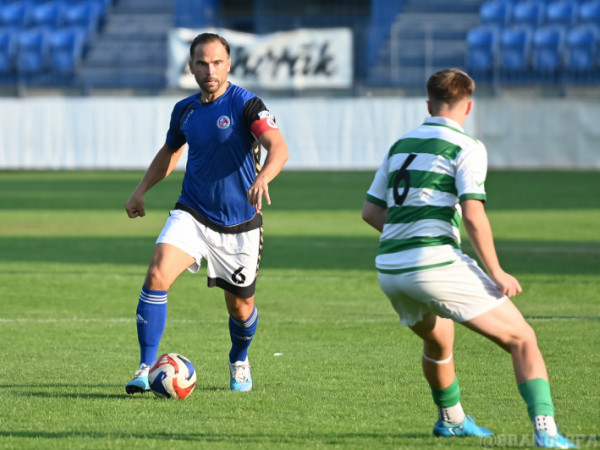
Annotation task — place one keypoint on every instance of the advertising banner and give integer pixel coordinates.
(298, 59)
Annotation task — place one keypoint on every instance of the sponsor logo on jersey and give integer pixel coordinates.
(223, 122)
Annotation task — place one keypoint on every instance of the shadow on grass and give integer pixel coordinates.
(292, 190)
(311, 253)
(233, 438)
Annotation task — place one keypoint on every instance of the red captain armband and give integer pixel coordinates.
(265, 123)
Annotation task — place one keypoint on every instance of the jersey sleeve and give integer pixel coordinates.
(377, 193)
(175, 138)
(258, 118)
(471, 171)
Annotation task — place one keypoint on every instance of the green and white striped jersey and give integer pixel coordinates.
(423, 179)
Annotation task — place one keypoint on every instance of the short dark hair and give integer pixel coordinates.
(206, 38)
(450, 86)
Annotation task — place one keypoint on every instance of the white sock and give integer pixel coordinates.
(545, 423)
(453, 414)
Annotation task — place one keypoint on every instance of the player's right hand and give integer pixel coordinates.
(135, 206)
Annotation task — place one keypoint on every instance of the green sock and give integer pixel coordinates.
(536, 394)
(447, 397)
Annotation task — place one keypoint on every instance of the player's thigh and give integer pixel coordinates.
(167, 263)
(504, 325)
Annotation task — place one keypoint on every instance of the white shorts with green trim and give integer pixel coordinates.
(459, 291)
(232, 260)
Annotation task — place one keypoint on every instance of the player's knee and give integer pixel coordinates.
(155, 280)
(523, 337)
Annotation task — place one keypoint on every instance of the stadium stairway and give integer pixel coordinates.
(426, 36)
(131, 50)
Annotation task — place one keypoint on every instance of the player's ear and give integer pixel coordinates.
(429, 107)
(469, 108)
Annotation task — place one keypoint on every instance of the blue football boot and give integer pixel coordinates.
(139, 384)
(466, 428)
(241, 379)
(543, 439)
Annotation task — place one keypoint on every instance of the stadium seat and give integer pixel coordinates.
(562, 12)
(548, 53)
(581, 49)
(589, 13)
(514, 54)
(495, 12)
(8, 50)
(45, 15)
(14, 15)
(82, 17)
(65, 50)
(482, 46)
(548, 47)
(31, 51)
(529, 13)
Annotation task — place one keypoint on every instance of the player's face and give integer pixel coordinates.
(210, 66)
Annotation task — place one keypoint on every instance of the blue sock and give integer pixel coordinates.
(241, 336)
(151, 316)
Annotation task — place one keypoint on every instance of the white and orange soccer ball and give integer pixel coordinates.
(172, 376)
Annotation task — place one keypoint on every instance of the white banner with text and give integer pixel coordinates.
(299, 59)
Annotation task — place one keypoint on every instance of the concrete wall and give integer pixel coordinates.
(322, 133)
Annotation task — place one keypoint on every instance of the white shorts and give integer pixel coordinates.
(460, 291)
(232, 259)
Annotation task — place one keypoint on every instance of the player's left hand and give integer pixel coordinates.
(256, 192)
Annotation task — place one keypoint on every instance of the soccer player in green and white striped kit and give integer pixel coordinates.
(428, 179)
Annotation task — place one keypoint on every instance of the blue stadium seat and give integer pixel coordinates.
(589, 13)
(495, 12)
(581, 48)
(8, 50)
(65, 50)
(83, 17)
(46, 15)
(515, 54)
(548, 47)
(32, 51)
(14, 15)
(528, 13)
(562, 12)
(548, 53)
(99, 7)
(482, 46)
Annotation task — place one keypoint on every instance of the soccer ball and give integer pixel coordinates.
(172, 376)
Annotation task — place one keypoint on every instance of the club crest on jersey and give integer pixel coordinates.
(223, 122)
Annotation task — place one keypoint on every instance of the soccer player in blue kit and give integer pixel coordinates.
(218, 215)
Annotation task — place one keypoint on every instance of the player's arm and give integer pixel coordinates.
(374, 215)
(277, 155)
(161, 166)
(479, 230)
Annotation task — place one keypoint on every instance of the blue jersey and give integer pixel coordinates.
(223, 156)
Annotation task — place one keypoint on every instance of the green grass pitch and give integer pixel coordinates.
(332, 367)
